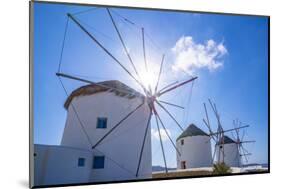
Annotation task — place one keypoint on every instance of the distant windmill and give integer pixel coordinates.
(151, 95)
(240, 141)
(218, 136)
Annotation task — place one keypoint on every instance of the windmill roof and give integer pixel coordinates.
(226, 140)
(192, 130)
(117, 87)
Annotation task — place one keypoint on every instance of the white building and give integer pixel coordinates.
(195, 148)
(116, 157)
(231, 153)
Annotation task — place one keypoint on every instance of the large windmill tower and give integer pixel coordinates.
(107, 131)
(99, 110)
(195, 148)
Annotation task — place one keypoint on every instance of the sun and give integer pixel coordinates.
(148, 79)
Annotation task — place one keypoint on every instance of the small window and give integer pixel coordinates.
(81, 162)
(98, 162)
(182, 142)
(101, 122)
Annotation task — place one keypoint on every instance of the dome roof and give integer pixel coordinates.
(117, 87)
(226, 140)
(192, 130)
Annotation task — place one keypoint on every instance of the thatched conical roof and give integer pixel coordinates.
(192, 130)
(226, 140)
(114, 86)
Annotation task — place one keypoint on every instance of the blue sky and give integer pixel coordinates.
(238, 84)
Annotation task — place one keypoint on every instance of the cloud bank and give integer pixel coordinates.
(190, 56)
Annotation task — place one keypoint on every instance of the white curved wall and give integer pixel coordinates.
(122, 147)
(196, 151)
(231, 155)
(59, 165)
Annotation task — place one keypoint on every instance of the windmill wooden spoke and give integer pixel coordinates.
(169, 85)
(171, 104)
(228, 130)
(106, 50)
(144, 55)
(175, 87)
(143, 48)
(63, 43)
(248, 141)
(160, 137)
(170, 115)
(213, 108)
(214, 137)
(159, 75)
(214, 153)
(249, 154)
(94, 83)
(243, 135)
(244, 151)
(122, 41)
(76, 115)
(208, 121)
(143, 142)
(115, 126)
(162, 124)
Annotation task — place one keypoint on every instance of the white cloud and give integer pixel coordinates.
(190, 56)
(155, 134)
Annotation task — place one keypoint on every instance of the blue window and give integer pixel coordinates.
(98, 162)
(101, 122)
(81, 162)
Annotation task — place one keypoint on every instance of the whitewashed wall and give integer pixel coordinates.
(59, 165)
(196, 151)
(231, 155)
(122, 147)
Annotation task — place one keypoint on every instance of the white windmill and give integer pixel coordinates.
(226, 150)
(243, 153)
(83, 114)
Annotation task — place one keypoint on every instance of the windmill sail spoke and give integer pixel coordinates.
(106, 51)
(170, 115)
(77, 116)
(175, 87)
(213, 156)
(208, 121)
(119, 123)
(160, 137)
(169, 85)
(228, 130)
(144, 55)
(243, 135)
(162, 124)
(171, 104)
(143, 48)
(159, 75)
(211, 133)
(94, 83)
(244, 152)
(143, 143)
(122, 41)
(63, 43)
(248, 141)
